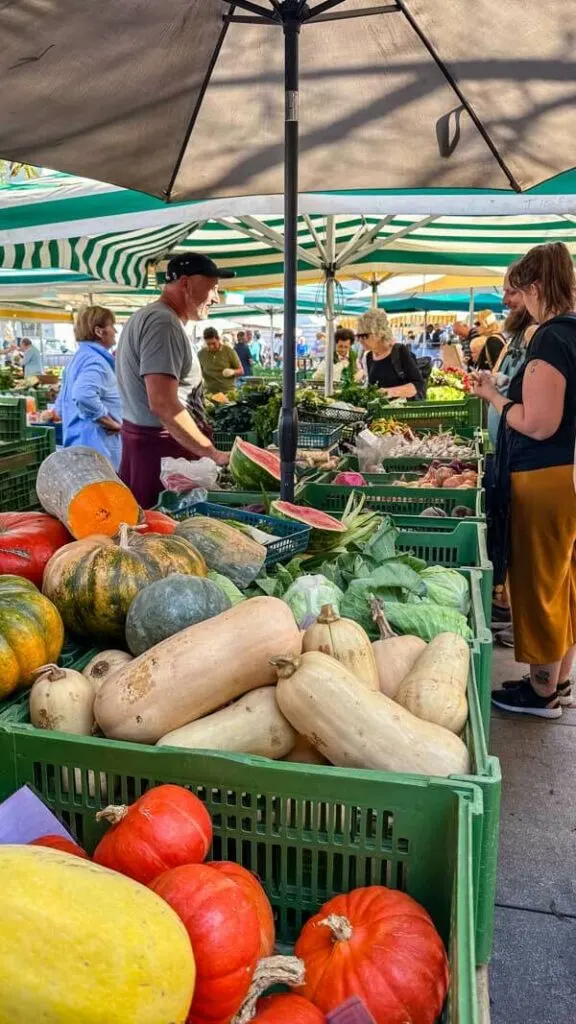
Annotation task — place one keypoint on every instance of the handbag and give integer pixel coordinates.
(498, 497)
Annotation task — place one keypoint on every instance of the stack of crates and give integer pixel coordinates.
(22, 451)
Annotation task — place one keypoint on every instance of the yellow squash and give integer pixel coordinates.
(84, 945)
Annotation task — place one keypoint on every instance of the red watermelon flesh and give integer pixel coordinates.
(326, 532)
(253, 467)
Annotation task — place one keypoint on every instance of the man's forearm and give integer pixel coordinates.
(182, 427)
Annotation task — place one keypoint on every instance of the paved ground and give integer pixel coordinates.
(533, 970)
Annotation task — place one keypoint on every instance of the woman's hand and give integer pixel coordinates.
(484, 385)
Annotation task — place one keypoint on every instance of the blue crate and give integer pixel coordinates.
(293, 538)
(315, 435)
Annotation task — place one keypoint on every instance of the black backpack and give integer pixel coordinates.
(424, 364)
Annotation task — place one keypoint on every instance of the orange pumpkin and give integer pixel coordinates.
(55, 842)
(287, 1008)
(380, 945)
(225, 934)
(251, 886)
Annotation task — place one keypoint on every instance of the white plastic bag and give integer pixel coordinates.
(371, 449)
(183, 475)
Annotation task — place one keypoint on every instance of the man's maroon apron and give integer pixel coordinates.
(143, 449)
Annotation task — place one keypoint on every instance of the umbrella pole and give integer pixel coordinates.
(288, 424)
(374, 287)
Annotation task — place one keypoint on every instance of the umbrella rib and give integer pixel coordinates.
(361, 12)
(277, 240)
(384, 243)
(362, 238)
(247, 5)
(459, 93)
(318, 241)
(197, 106)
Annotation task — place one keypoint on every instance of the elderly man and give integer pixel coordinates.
(156, 367)
(31, 358)
(220, 363)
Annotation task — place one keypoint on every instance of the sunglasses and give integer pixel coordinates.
(362, 337)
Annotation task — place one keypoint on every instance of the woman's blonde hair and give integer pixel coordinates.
(375, 321)
(88, 319)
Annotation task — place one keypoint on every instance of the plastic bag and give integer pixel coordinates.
(371, 449)
(307, 595)
(183, 475)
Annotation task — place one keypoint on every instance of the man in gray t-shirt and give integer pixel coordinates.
(154, 358)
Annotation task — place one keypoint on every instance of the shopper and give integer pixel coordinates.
(389, 365)
(242, 349)
(488, 344)
(343, 341)
(220, 364)
(535, 455)
(31, 358)
(154, 359)
(89, 403)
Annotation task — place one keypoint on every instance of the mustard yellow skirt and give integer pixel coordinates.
(542, 572)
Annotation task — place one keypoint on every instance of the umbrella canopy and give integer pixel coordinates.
(439, 302)
(184, 98)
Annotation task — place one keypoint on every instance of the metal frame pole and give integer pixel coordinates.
(288, 423)
(329, 306)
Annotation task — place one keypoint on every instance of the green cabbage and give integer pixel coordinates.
(447, 587)
(234, 595)
(307, 595)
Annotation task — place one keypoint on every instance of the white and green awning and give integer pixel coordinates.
(57, 222)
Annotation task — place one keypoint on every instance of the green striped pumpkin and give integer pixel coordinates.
(93, 581)
(31, 633)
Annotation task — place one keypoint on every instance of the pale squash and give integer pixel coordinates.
(62, 699)
(357, 728)
(346, 641)
(304, 753)
(104, 665)
(435, 688)
(80, 488)
(84, 944)
(395, 655)
(197, 671)
(253, 724)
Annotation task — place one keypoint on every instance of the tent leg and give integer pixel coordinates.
(374, 287)
(471, 309)
(288, 424)
(329, 306)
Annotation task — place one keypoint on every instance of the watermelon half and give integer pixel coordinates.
(253, 468)
(325, 531)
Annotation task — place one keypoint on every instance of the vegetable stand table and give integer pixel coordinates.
(384, 493)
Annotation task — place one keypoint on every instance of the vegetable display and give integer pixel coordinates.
(167, 606)
(197, 671)
(252, 888)
(79, 487)
(355, 727)
(31, 633)
(453, 475)
(62, 699)
(435, 687)
(224, 930)
(253, 468)
(395, 655)
(66, 925)
(27, 542)
(105, 665)
(326, 532)
(166, 827)
(225, 549)
(380, 945)
(92, 582)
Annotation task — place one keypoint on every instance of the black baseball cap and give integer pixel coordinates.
(191, 263)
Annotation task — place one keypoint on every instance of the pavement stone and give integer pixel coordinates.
(533, 970)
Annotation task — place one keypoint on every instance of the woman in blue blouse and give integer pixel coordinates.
(89, 402)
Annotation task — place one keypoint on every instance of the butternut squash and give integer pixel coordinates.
(104, 665)
(357, 728)
(304, 753)
(346, 641)
(253, 724)
(435, 688)
(395, 655)
(196, 671)
(81, 943)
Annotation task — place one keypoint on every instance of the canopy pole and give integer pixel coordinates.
(471, 309)
(288, 423)
(374, 287)
(329, 306)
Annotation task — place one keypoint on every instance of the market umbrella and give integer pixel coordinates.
(179, 100)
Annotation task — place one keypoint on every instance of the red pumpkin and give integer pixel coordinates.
(158, 522)
(287, 1008)
(380, 945)
(166, 827)
(60, 843)
(225, 934)
(27, 542)
(251, 886)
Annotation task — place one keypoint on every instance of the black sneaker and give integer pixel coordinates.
(504, 637)
(523, 700)
(500, 616)
(563, 690)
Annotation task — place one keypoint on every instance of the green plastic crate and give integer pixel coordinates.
(224, 439)
(391, 499)
(107, 771)
(464, 413)
(483, 647)
(285, 824)
(18, 471)
(12, 418)
(407, 465)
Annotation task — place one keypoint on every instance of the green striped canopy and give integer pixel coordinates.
(114, 235)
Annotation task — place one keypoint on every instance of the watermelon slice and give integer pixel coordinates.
(253, 468)
(326, 532)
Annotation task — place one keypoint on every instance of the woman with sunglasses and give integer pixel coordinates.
(390, 366)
